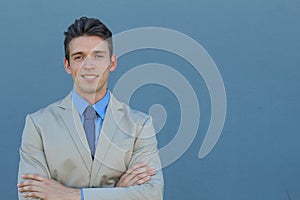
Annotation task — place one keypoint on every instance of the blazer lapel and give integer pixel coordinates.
(70, 116)
(114, 115)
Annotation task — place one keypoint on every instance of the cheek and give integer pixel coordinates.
(75, 69)
(105, 75)
(75, 74)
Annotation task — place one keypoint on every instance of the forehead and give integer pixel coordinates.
(88, 44)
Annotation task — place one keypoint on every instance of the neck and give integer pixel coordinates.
(93, 98)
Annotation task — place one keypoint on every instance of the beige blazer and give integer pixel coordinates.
(54, 145)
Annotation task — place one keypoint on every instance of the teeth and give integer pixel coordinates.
(89, 77)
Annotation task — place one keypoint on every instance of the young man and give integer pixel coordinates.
(89, 145)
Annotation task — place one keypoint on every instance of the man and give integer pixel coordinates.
(89, 145)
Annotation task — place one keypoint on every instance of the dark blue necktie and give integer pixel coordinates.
(89, 127)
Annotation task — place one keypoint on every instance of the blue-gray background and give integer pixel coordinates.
(255, 45)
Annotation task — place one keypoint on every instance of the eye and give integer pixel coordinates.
(98, 56)
(77, 58)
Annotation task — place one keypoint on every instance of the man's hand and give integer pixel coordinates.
(37, 186)
(138, 174)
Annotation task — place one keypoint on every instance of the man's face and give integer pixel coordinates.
(89, 65)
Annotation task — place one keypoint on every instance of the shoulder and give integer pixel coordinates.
(48, 111)
(135, 116)
(134, 122)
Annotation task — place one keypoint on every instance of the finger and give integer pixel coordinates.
(151, 171)
(34, 195)
(143, 180)
(138, 178)
(140, 170)
(136, 166)
(130, 178)
(33, 177)
(127, 178)
(28, 183)
(29, 189)
(128, 175)
(145, 177)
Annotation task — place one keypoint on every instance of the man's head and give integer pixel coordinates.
(89, 57)
(87, 27)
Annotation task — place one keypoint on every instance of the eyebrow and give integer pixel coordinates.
(99, 52)
(80, 52)
(73, 54)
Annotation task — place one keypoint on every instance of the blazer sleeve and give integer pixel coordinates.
(145, 149)
(32, 157)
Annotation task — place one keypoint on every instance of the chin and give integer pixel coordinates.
(89, 90)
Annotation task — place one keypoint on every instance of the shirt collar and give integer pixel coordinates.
(81, 104)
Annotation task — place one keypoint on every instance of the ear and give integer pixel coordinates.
(113, 65)
(67, 66)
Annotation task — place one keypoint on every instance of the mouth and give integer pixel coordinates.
(89, 76)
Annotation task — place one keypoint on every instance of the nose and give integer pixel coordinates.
(88, 64)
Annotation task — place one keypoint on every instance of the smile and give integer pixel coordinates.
(89, 77)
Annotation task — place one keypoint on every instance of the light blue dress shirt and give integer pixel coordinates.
(100, 107)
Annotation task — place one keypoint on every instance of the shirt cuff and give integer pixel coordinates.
(81, 192)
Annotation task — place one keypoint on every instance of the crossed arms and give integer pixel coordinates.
(40, 187)
(139, 181)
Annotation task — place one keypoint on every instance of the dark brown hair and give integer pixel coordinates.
(87, 27)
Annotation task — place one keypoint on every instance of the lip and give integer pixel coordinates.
(89, 76)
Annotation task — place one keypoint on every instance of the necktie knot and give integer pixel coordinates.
(89, 113)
